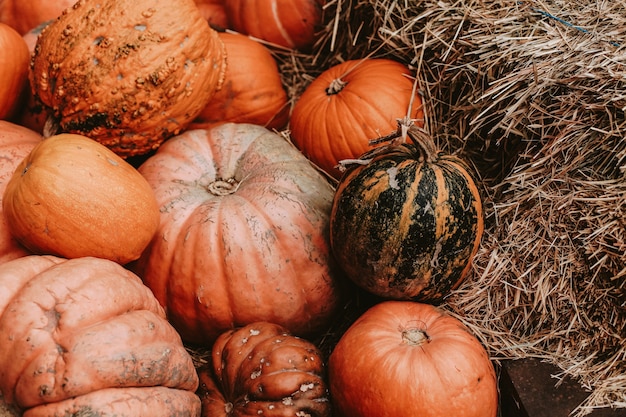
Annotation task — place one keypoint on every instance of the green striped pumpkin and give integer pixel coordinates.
(407, 221)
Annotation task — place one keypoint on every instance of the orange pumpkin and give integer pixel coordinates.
(348, 105)
(86, 337)
(213, 11)
(73, 197)
(402, 358)
(246, 96)
(243, 235)
(14, 61)
(25, 15)
(262, 369)
(289, 23)
(127, 74)
(16, 142)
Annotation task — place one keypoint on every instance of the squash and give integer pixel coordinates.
(262, 369)
(85, 337)
(403, 358)
(127, 74)
(13, 70)
(349, 104)
(243, 235)
(73, 197)
(16, 142)
(247, 96)
(407, 220)
(26, 15)
(292, 24)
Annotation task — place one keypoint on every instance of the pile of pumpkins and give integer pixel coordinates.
(240, 229)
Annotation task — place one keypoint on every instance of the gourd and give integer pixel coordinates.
(402, 358)
(84, 336)
(127, 74)
(407, 220)
(73, 197)
(243, 235)
(262, 369)
(349, 104)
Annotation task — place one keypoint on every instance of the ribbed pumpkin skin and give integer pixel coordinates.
(125, 73)
(13, 70)
(349, 104)
(405, 228)
(243, 235)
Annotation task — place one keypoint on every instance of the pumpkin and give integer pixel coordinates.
(262, 369)
(213, 11)
(125, 73)
(349, 104)
(291, 24)
(25, 15)
(85, 337)
(16, 142)
(403, 358)
(243, 235)
(13, 70)
(246, 96)
(407, 221)
(73, 197)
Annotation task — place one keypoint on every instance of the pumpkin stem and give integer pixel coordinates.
(414, 337)
(335, 86)
(221, 187)
(425, 142)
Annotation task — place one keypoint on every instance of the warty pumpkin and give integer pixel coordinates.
(402, 358)
(243, 235)
(407, 220)
(291, 24)
(247, 96)
(127, 74)
(73, 197)
(14, 61)
(25, 15)
(349, 104)
(16, 142)
(85, 336)
(262, 369)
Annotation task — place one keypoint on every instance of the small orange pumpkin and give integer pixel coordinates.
(14, 61)
(349, 104)
(289, 23)
(73, 197)
(246, 96)
(127, 74)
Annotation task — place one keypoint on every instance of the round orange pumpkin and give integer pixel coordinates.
(86, 337)
(14, 61)
(348, 105)
(289, 23)
(25, 15)
(243, 235)
(407, 221)
(16, 142)
(247, 96)
(262, 369)
(127, 74)
(73, 197)
(402, 358)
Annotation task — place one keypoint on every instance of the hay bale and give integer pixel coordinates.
(533, 94)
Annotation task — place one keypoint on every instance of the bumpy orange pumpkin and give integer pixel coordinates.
(289, 23)
(407, 221)
(14, 61)
(16, 142)
(25, 15)
(126, 73)
(261, 369)
(349, 104)
(246, 96)
(86, 337)
(243, 235)
(73, 197)
(402, 358)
